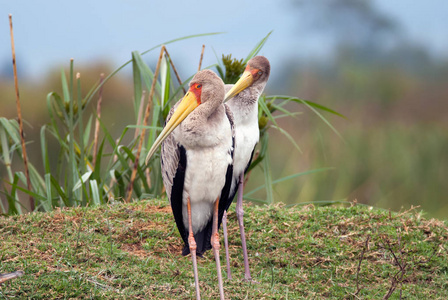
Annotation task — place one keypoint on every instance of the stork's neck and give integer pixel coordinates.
(244, 106)
(202, 128)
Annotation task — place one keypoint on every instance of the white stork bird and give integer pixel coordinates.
(244, 106)
(197, 165)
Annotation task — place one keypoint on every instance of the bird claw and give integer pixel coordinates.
(251, 281)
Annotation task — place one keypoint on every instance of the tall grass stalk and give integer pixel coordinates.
(19, 114)
(97, 123)
(174, 70)
(145, 121)
(8, 131)
(200, 59)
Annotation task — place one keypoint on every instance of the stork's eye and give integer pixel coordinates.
(260, 72)
(198, 86)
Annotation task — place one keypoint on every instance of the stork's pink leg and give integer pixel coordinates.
(239, 215)
(226, 244)
(216, 246)
(193, 246)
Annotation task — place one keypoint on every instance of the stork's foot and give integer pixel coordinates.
(250, 280)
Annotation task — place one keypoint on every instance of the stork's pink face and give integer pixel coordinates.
(256, 73)
(196, 89)
(251, 74)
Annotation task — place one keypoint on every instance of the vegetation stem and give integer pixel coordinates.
(145, 122)
(97, 122)
(175, 71)
(19, 114)
(202, 56)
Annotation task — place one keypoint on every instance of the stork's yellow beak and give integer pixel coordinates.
(243, 83)
(186, 106)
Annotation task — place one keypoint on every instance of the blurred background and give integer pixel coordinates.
(382, 64)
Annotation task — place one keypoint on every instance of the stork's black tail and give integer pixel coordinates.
(203, 241)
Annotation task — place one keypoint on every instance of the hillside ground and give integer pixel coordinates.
(134, 251)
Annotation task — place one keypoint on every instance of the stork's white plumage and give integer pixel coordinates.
(244, 105)
(208, 152)
(197, 165)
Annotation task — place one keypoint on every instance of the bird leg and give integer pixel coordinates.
(193, 246)
(239, 215)
(216, 246)
(226, 244)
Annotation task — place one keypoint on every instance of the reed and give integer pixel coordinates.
(19, 115)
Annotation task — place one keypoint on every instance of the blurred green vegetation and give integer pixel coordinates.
(394, 147)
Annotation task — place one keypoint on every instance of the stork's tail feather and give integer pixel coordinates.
(203, 241)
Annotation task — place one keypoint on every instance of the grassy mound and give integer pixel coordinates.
(133, 251)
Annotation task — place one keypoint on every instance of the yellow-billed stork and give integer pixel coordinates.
(243, 102)
(197, 167)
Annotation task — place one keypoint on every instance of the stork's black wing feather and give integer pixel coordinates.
(177, 190)
(233, 192)
(174, 163)
(225, 199)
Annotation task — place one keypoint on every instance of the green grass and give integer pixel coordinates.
(124, 251)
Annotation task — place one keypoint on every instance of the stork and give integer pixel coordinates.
(243, 102)
(196, 161)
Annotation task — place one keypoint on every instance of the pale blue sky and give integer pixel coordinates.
(49, 33)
